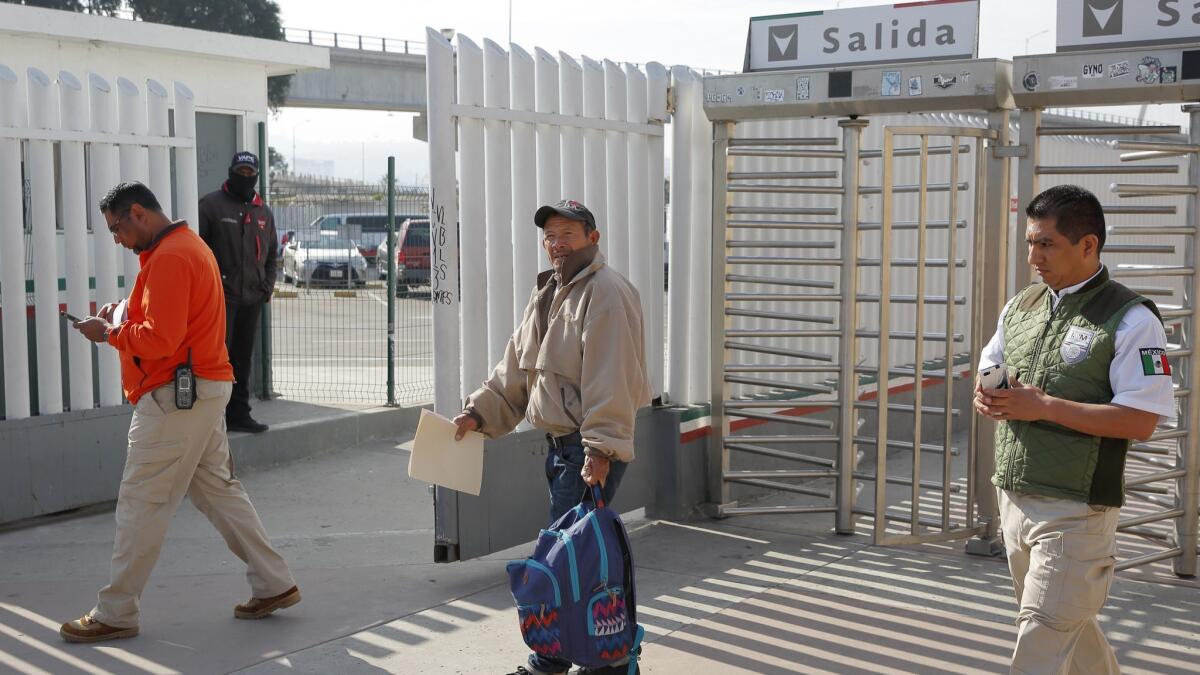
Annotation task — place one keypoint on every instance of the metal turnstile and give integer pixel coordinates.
(840, 286)
(1161, 474)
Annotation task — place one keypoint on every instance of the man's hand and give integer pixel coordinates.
(93, 328)
(465, 423)
(1019, 402)
(106, 312)
(595, 470)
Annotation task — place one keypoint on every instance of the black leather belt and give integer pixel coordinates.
(560, 442)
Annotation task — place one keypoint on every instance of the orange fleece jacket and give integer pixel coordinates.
(176, 304)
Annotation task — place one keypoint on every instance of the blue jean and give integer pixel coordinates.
(566, 491)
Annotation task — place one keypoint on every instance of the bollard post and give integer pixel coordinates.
(265, 317)
(391, 282)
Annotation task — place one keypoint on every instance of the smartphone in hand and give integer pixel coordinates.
(69, 317)
(995, 377)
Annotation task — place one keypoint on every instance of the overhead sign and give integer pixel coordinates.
(905, 32)
(1103, 24)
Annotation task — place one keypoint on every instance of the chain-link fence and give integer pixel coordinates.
(328, 330)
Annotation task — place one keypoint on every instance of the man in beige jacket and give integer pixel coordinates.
(575, 368)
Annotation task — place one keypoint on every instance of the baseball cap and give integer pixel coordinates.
(245, 158)
(567, 208)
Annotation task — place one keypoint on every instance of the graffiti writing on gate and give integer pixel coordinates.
(440, 293)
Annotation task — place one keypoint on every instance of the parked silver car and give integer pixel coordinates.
(323, 259)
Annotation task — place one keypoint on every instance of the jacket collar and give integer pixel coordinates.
(257, 201)
(578, 265)
(1092, 283)
(162, 234)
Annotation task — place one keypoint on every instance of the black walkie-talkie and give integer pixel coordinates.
(185, 385)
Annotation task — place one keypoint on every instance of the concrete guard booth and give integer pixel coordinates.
(1151, 215)
(806, 294)
(86, 102)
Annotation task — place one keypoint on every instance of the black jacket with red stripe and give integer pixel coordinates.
(242, 237)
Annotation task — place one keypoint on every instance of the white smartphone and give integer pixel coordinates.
(995, 377)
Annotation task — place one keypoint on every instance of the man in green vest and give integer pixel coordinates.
(1087, 374)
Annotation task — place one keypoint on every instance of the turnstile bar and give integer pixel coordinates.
(778, 281)
(781, 316)
(1151, 146)
(808, 154)
(781, 175)
(778, 351)
(816, 140)
(776, 485)
(1125, 209)
(910, 262)
(911, 189)
(784, 210)
(1105, 169)
(788, 189)
(1107, 131)
(767, 243)
(777, 260)
(915, 151)
(780, 225)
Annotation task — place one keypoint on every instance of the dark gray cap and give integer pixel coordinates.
(567, 208)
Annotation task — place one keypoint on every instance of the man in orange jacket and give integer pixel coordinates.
(175, 317)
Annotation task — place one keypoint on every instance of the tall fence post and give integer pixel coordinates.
(265, 317)
(443, 225)
(12, 244)
(391, 282)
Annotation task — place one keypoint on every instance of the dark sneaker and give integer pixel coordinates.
(87, 629)
(522, 670)
(249, 425)
(258, 608)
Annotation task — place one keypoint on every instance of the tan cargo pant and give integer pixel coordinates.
(1062, 556)
(174, 452)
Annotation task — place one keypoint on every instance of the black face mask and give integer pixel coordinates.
(242, 186)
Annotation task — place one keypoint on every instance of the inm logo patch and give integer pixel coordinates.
(1103, 17)
(782, 44)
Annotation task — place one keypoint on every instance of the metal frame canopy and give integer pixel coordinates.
(939, 86)
(796, 261)
(1108, 77)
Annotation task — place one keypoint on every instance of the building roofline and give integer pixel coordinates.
(280, 58)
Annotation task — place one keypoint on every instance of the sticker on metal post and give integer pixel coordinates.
(943, 81)
(915, 87)
(1064, 82)
(803, 88)
(773, 96)
(1093, 71)
(1149, 70)
(1031, 82)
(890, 83)
(1118, 69)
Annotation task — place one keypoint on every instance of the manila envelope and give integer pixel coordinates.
(439, 459)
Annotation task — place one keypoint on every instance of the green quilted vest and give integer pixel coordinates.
(1067, 353)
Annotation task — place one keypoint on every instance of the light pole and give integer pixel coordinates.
(1027, 39)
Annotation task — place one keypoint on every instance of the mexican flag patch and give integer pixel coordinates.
(1154, 361)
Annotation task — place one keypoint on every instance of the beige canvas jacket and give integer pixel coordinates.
(584, 370)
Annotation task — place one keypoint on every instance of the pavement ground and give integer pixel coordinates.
(775, 594)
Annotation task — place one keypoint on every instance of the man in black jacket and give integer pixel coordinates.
(240, 230)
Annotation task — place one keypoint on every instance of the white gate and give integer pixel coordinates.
(82, 139)
(533, 129)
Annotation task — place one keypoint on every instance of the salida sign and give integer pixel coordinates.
(1097, 24)
(910, 31)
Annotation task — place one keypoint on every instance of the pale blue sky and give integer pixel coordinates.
(699, 33)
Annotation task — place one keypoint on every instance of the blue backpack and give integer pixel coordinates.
(575, 594)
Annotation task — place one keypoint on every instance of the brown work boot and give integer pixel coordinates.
(87, 629)
(258, 608)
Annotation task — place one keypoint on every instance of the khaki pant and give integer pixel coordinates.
(175, 452)
(1062, 556)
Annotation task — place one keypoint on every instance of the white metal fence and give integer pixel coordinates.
(63, 144)
(533, 129)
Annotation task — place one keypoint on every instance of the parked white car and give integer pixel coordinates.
(323, 259)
